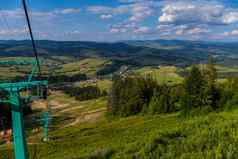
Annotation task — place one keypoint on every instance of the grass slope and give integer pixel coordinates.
(164, 74)
(88, 66)
(162, 137)
(81, 131)
(103, 84)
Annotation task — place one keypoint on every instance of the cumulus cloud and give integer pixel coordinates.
(164, 26)
(132, 1)
(231, 33)
(136, 11)
(72, 33)
(194, 12)
(106, 16)
(75, 32)
(140, 12)
(123, 27)
(230, 17)
(131, 28)
(114, 30)
(13, 32)
(186, 30)
(130, 25)
(67, 11)
(19, 13)
(142, 30)
(197, 31)
(118, 30)
(100, 9)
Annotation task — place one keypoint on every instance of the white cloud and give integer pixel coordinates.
(204, 12)
(197, 31)
(114, 30)
(106, 16)
(100, 9)
(180, 30)
(13, 32)
(136, 11)
(132, 1)
(142, 30)
(167, 18)
(123, 27)
(163, 27)
(140, 12)
(118, 30)
(67, 11)
(130, 25)
(131, 28)
(122, 9)
(19, 13)
(75, 32)
(190, 30)
(230, 17)
(231, 33)
(72, 33)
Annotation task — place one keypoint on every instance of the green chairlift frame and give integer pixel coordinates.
(44, 122)
(15, 100)
(14, 97)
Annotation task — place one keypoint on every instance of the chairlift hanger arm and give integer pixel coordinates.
(32, 37)
(21, 85)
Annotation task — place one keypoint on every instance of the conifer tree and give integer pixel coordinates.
(211, 72)
(194, 85)
(211, 92)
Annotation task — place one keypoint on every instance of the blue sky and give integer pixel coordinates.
(115, 20)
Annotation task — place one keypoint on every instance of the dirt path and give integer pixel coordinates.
(90, 116)
(82, 117)
(57, 105)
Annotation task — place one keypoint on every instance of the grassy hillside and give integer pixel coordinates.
(103, 84)
(80, 130)
(21, 66)
(87, 66)
(165, 136)
(142, 53)
(83, 130)
(222, 71)
(163, 74)
(57, 65)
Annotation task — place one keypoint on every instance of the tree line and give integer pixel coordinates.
(199, 92)
(53, 79)
(84, 93)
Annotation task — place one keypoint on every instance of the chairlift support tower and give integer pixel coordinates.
(14, 98)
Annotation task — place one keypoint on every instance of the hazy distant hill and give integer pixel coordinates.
(149, 52)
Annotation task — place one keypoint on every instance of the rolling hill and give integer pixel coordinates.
(136, 53)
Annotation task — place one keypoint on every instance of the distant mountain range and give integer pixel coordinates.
(148, 52)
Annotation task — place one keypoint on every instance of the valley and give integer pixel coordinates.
(83, 129)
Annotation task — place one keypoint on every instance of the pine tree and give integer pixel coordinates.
(154, 105)
(211, 92)
(194, 86)
(211, 72)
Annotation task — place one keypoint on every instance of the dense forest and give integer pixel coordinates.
(84, 93)
(199, 93)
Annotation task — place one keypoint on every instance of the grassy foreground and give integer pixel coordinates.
(164, 136)
(161, 136)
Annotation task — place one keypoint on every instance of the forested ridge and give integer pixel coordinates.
(199, 92)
